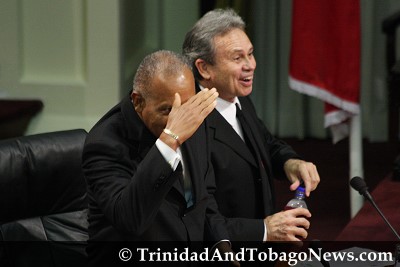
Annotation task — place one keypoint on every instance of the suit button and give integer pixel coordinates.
(259, 180)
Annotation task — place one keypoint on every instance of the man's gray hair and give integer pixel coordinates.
(199, 41)
(162, 62)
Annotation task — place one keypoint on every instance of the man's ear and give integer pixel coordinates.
(138, 102)
(202, 67)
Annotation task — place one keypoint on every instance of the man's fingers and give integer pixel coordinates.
(306, 177)
(209, 104)
(288, 225)
(312, 178)
(208, 109)
(203, 102)
(315, 176)
(300, 212)
(202, 96)
(301, 170)
(185, 118)
(300, 232)
(208, 99)
(199, 97)
(295, 184)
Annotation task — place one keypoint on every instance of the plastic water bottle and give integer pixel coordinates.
(298, 201)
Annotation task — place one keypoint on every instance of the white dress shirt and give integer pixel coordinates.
(228, 111)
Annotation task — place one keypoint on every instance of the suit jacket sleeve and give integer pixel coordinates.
(128, 190)
(278, 150)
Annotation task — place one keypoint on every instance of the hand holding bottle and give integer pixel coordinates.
(292, 223)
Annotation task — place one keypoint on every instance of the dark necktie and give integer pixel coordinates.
(186, 185)
(248, 135)
(179, 173)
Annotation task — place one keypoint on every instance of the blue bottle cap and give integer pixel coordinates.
(301, 189)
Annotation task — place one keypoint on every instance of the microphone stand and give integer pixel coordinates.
(368, 196)
(383, 216)
(358, 184)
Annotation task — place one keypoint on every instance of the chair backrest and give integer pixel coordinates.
(43, 191)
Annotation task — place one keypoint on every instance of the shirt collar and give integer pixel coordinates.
(223, 106)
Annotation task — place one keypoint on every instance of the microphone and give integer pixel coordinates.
(359, 185)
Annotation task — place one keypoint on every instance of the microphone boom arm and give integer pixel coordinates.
(383, 217)
(359, 185)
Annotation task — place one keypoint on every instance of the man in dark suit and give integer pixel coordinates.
(146, 160)
(245, 156)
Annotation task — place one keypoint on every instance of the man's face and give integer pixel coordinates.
(234, 64)
(156, 107)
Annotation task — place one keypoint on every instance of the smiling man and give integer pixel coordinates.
(245, 156)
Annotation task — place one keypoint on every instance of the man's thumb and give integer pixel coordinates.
(177, 101)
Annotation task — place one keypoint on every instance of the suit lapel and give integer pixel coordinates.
(250, 118)
(224, 133)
